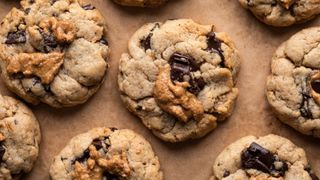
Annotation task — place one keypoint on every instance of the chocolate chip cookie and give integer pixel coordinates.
(141, 3)
(107, 153)
(179, 78)
(269, 157)
(293, 88)
(53, 51)
(282, 12)
(19, 138)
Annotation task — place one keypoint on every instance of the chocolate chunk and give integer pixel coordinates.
(214, 45)
(183, 65)
(304, 107)
(47, 88)
(315, 84)
(97, 143)
(146, 43)
(88, 7)
(196, 85)
(18, 75)
(49, 41)
(180, 66)
(104, 41)
(226, 173)
(2, 151)
(16, 37)
(109, 176)
(256, 157)
(84, 157)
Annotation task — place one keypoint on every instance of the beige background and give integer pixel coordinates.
(256, 43)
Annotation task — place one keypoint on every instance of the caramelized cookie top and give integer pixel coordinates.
(179, 78)
(107, 153)
(270, 157)
(53, 51)
(293, 86)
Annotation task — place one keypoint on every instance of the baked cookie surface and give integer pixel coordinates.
(19, 138)
(293, 88)
(107, 153)
(141, 3)
(283, 12)
(179, 78)
(53, 51)
(270, 157)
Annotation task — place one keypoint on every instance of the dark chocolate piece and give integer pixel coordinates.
(304, 107)
(183, 65)
(109, 176)
(146, 43)
(214, 45)
(256, 157)
(16, 37)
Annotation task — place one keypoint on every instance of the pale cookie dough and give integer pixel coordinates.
(293, 88)
(107, 153)
(19, 139)
(179, 78)
(266, 158)
(53, 51)
(141, 3)
(283, 12)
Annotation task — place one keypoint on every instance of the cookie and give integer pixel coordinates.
(107, 153)
(179, 78)
(19, 138)
(53, 51)
(283, 13)
(141, 3)
(269, 157)
(293, 88)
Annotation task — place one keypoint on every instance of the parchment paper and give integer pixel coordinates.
(192, 160)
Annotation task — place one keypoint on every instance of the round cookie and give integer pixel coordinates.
(282, 13)
(179, 78)
(107, 153)
(141, 3)
(19, 138)
(270, 157)
(53, 51)
(293, 88)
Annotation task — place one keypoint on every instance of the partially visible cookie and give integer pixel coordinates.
(293, 88)
(107, 153)
(141, 3)
(19, 138)
(270, 157)
(283, 12)
(53, 51)
(179, 77)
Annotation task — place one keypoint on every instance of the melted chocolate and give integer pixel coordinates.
(16, 37)
(304, 107)
(256, 157)
(214, 45)
(146, 43)
(183, 65)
